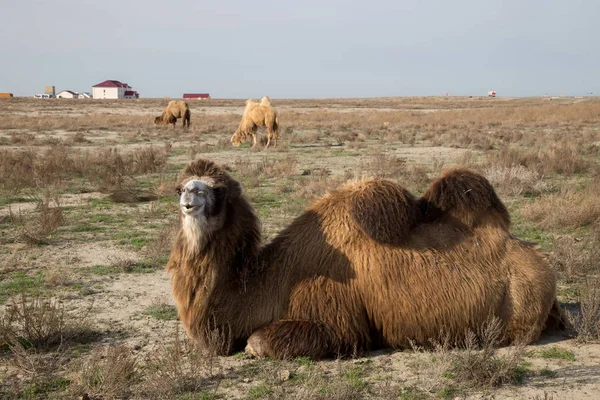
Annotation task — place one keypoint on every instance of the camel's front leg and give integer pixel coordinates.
(288, 339)
(253, 140)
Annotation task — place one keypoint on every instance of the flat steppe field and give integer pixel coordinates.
(88, 211)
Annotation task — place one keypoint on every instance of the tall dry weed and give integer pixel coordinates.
(587, 319)
(109, 373)
(565, 210)
(516, 180)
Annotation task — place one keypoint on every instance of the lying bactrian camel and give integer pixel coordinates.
(366, 266)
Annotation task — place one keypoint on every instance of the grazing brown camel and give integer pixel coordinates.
(174, 110)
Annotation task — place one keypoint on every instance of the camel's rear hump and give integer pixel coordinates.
(465, 195)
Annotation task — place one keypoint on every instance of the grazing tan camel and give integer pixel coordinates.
(174, 110)
(257, 114)
(364, 267)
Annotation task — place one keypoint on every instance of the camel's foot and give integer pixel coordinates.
(290, 339)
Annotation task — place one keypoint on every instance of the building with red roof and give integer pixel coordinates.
(112, 89)
(196, 96)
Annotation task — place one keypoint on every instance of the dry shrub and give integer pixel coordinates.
(478, 364)
(109, 373)
(108, 168)
(587, 319)
(131, 195)
(508, 156)
(58, 276)
(316, 186)
(34, 364)
(516, 180)
(17, 169)
(574, 258)
(565, 210)
(34, 228)
(385, 166)
(163, 243)
(42, 323)
(563, 158)
(182, 367)
(79, 137)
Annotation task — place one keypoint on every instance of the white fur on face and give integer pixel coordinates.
(195, 196)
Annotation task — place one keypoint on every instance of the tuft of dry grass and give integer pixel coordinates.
(108, 168)
(385, 166)
(35, 228)
(42, 323)
(516, 180)
(478, 364)
(109, 373)
(565, 210)
(181, 368)
(576, 257)
(587, 320)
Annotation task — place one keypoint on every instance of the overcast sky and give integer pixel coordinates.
(303, 49)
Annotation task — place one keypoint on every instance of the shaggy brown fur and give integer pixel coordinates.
(174, 110)
(359, 269)
(256, 115)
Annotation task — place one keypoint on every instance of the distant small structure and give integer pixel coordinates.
(43, 96)
(50, 90)
(6, 95)
(491, 93)
(131, 94)
(67, 94)
(112, 89)
(196, 96)
(84, 95)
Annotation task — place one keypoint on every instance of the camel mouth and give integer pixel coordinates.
(190, 209)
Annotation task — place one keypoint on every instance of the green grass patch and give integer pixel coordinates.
(44, 389)
(548, 373)
(258, 392)
(5, 201)
(18, 282)
(130, 267)
(412, 393)
(162, 312)
(556, 353)
(202, 395)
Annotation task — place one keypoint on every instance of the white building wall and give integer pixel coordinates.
(65, 95)
(107, 93)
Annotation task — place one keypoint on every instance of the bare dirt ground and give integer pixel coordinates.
(107, 255)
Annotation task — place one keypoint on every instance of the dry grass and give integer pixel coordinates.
(575, 257)
(109, 373)
(109, 169)
(516, 180)
(587, 319)
(568, 209)
(42, 323)
(35, 228)
(478, 364)
(181, 368)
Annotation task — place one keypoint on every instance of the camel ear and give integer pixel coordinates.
(464, 195)
(384, 211)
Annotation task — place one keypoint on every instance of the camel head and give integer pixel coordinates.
(236, 139)
(203, 194)
(158, 120)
